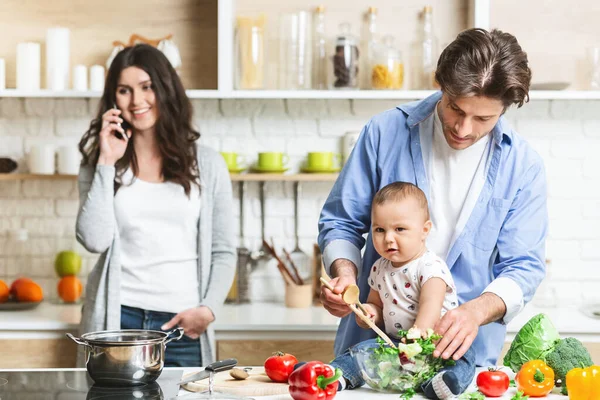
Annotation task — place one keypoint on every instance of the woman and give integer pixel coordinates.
(158, 209)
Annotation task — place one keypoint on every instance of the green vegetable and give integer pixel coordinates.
(568, 353)
(519, 396)
(408, 394)
(535, 339)
(472, 396)
(512, 383)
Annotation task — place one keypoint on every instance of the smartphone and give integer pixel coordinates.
(125, 125)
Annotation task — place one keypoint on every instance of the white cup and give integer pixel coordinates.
(80, 80)
(97, 78)
(40, 159)
(69, 160)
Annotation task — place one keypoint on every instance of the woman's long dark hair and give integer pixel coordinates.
(174, 132)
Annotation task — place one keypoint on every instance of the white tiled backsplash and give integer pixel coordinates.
(565, 133)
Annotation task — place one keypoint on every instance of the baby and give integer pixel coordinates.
(411, 287)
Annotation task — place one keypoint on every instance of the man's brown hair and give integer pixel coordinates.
(482, 63)
(399, 191)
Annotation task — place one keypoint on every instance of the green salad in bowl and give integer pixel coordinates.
(401, 370)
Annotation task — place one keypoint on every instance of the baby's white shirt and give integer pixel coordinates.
(399, 289)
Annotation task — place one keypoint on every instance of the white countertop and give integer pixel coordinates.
(50, 318)
(367, 393)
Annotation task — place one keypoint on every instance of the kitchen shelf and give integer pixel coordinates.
(306, 94)
(234, 177)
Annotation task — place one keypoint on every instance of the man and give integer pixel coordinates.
(485, 185)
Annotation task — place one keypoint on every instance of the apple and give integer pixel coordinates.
(67, 263)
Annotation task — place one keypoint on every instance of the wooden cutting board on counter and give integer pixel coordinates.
(257, 384)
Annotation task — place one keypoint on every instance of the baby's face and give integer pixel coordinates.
(399, 230)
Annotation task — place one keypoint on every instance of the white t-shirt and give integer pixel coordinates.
(400, 288)
(158, 226)
(456, 178)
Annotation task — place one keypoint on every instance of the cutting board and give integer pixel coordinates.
(257, 384)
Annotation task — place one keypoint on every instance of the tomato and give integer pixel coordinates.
(493, 382)
(279, 366)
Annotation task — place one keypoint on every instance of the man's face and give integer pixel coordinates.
(467, 119)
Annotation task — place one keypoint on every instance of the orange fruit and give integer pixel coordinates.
(4, 291)
(70, 288)
(13, 286)
(28, 291)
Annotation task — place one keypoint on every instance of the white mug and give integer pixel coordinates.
(40, 159)
(69, 159)
(80, 80)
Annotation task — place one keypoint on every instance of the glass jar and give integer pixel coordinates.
(387, 68)
(250, 53)
(345, 59)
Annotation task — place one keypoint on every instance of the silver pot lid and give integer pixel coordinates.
(124, 337)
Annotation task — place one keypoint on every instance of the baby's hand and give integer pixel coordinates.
(373, 315)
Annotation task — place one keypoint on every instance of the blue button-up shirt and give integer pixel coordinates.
(503, 238)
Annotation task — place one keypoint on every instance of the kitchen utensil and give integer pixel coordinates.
(257, 384)
(239, 292)
(301, 260)
(297, 276)
(263, 253)
(362, 316)
(213, 368)
(298, 296)
(11, 305)
(351, 296)
(125, 357)
(287, 276)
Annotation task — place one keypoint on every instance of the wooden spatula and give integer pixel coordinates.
(360, 313)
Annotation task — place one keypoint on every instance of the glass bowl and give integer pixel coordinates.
(381, 367)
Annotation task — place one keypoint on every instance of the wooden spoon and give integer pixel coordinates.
(361, 315)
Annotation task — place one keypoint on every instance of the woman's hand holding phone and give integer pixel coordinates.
(113, 139)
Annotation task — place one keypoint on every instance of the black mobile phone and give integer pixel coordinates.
(125, 125)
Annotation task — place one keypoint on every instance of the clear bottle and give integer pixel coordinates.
(250, 53)
(345, 59)
(319, 65)
(387, 67)
(370, 40)
(429, 51)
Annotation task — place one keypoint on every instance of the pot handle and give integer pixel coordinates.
(180, 330)
(77, 340)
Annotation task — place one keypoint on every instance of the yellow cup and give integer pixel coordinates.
(233, 160)
(272, 160)
(323, 160)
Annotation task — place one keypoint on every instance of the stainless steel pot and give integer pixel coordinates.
(125, 357)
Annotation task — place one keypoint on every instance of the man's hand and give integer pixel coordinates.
(194, 321)
(344, 273)
(459, 327)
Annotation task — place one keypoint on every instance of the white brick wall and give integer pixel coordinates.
(565, 133)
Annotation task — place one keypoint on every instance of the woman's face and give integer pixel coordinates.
(135, 98)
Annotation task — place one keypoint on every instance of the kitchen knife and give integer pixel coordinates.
(215, 367)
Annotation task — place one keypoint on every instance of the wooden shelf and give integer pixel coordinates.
(234, 177)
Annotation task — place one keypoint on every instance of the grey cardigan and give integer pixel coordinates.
(97, 231)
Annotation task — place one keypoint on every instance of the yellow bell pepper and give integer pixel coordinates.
(535, 379)
(584, 383)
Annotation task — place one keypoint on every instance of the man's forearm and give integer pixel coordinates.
(488, 307)
(343, 266)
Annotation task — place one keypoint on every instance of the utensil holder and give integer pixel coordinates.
(298, 296)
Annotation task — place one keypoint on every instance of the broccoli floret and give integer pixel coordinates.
(568, 353)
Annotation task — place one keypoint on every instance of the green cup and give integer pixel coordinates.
(272, 160)
(324, 160)
(233, 160)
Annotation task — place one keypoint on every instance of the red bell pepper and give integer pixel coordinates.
(314, 381)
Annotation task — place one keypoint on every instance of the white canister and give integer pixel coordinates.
(348, 142)
(80, 80)
(28, 66)
(2, 74)
(69, 160)
(97, 78)
(58, 43)
(40, 159)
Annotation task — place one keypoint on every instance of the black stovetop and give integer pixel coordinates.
(75, 384)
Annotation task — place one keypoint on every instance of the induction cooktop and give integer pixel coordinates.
(75, 384)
